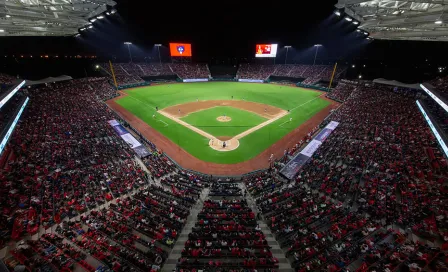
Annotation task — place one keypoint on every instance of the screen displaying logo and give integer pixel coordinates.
(180, 49)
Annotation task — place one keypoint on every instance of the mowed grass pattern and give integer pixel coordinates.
(241, 121)
(302, 103)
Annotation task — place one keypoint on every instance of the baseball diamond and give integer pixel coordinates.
(187, 120)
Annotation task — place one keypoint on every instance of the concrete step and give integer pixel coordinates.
(171, 261)
(168, 267)
(283, 270)
(277, 251)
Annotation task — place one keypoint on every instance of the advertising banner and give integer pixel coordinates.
(323, 134)
(251, 80)
(120, 130)
(138, 148)
(311, 148)
(293, 166)
(195, 80)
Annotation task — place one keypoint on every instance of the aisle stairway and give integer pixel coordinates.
(170, 264)
(284, 265)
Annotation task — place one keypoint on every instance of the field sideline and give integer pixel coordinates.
(302, 103)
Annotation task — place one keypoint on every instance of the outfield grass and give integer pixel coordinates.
(302, 103)
(241, 121)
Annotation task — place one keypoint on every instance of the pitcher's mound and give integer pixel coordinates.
(224, 119)
(218, 145)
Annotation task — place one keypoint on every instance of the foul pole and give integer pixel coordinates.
(332, 76)
(113, 74)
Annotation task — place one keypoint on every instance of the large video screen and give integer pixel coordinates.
(180, 49)
(266, 50)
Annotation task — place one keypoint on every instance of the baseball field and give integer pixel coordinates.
(201, 117)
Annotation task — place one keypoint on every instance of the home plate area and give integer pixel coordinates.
(224, 144)
(181, 113)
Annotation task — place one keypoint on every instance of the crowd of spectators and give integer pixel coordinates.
(190, 70)
(341, 92)
(441, 85)
(125, 73)
(255, 71)
(226, 237)
(6, 79)
(311, 73)
(380, 170)
(129, 73)
(155, 69)
(64, 158)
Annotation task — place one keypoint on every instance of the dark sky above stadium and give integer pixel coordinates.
(229, 30)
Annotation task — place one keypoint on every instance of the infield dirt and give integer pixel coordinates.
(263, 110)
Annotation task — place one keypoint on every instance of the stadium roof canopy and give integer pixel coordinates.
(422, 20)
(48, 17)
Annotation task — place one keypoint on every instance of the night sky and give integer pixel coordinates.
(226, 32)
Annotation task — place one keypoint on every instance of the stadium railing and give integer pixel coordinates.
(312, 87)
(129, 86)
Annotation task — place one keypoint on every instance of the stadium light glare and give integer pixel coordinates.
(317, 50)
(360, 76)
(355, 22)
(107, 13)
(358, 30)
(90, 27)
(82, 29)
(438, 22)
(100, 17)
(113, 11)
(365, 33)
(348, 19)
(2, 30)
(92, 20)
(8, 16)
(77, 35)
(129, 49)
(337, 12)
(353, 66)
(97, 66)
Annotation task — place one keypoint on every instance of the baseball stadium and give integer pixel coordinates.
(142, 136)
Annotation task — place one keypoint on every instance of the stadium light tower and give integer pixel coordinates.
(317, 50)
(158, 45)
(287, 48)
(129, 49)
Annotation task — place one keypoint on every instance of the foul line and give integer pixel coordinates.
(307, 102)
(163, 122)
(284, 123)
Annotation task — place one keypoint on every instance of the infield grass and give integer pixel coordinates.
(302, 103)
(241, 121)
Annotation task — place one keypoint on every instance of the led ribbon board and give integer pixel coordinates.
(433, 96)
(13, 125)
(16, 89)
(433, 128)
